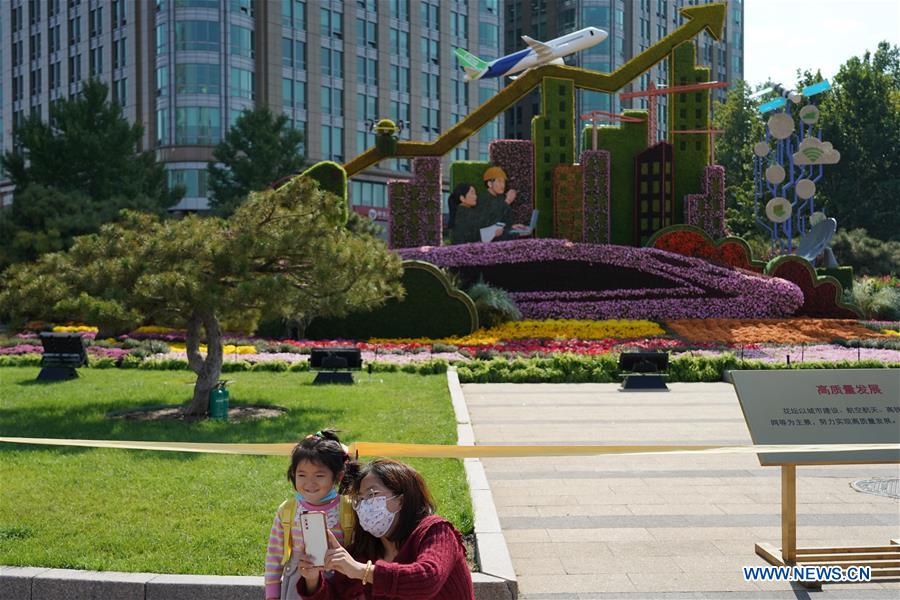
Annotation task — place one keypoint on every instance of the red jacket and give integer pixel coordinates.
(431, 565)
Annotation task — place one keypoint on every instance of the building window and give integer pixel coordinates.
(118, 13)
(333, 143)
(400, 10)
(430, 50)
(366, 70)
(95, 58)
(197, 35)
(400, 79)
(119, 53)
(459, 24)
(366, 107)
(74, 68)
(399, 42)
(95, 22)
(430, 16)
(332, 63)
(162, 38)
(243, 6)
(197, 78)
(241, 41)
(34, 43)
(120, 92)
(365, 33)
(293, 93)
(332, 101)
(331, 24)
(196, 3)
(162, 126)
(162, 81)
(242, 83)
(74, 30)
(198, 125)
(293, 14)
(193, 181)
(431, 86)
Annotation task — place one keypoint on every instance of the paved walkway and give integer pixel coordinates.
(657, 526)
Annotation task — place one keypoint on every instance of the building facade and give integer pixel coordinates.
(633, 26)
(186, 69)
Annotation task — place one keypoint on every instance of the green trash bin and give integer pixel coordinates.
(218, 402)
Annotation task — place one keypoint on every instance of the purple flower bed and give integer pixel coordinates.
(699, 289)
(811, 353)
(414, 217)
(516, 158)
(97, 351)
(595, 165)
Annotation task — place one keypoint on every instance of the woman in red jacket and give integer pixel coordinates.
(400, 550)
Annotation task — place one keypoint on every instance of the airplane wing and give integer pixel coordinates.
(543, 50)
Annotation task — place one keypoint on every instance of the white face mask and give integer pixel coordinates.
(374, 515)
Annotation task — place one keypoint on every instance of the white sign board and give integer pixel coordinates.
(822, 406)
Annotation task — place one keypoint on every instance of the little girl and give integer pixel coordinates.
(317, 467)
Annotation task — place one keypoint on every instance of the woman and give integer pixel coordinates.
(400, 549)
(465, 216)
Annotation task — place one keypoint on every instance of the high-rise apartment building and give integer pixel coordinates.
(633, 26)
(185, 69)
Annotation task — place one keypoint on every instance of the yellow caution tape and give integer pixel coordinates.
(447, 451)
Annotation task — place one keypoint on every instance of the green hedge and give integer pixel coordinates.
(426, 367)
(432, 308)
(843, 274)
(575, 368)
(468, 171)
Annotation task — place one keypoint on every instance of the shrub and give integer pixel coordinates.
(867, 255)
(272, 366)
(431, 308)
(876, 301)
(236, 366)
(20, 360)
(494, 305)
(103, 363)
(299, 366)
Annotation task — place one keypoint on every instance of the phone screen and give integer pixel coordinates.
(314, 538)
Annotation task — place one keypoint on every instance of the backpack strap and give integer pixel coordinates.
(286, 515)
(348, 520)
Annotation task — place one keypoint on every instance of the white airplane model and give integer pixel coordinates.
(539, 53)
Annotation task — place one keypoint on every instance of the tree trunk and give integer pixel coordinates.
(209, 369)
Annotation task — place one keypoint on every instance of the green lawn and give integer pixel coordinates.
(174, 512)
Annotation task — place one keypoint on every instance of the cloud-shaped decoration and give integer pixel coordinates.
(815, 152)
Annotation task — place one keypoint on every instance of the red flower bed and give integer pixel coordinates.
(821, 296)
(691, 241)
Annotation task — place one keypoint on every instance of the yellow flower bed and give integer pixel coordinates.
(227, 349)
(75, 328)
(551, 328)
(154, 329)
(891, 332)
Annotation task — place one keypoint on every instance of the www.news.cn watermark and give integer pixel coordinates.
(823, 574)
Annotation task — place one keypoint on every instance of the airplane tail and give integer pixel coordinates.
(471, 64)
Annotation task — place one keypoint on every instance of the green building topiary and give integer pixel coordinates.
(623, 143)
(688, 111)
(468, 171)
(432, 308)
(331, 177)
(553, 135)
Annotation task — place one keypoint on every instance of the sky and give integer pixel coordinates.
(782, 36)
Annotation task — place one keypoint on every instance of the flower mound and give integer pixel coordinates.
(554, 279)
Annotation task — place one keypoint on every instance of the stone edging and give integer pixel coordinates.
(490, 545)
(497, 581)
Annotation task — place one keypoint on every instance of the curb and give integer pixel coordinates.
(496, 581)
(490, 545)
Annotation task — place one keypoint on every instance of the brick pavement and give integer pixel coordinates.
(657, 526)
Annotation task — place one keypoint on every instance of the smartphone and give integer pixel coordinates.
(314, 537)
